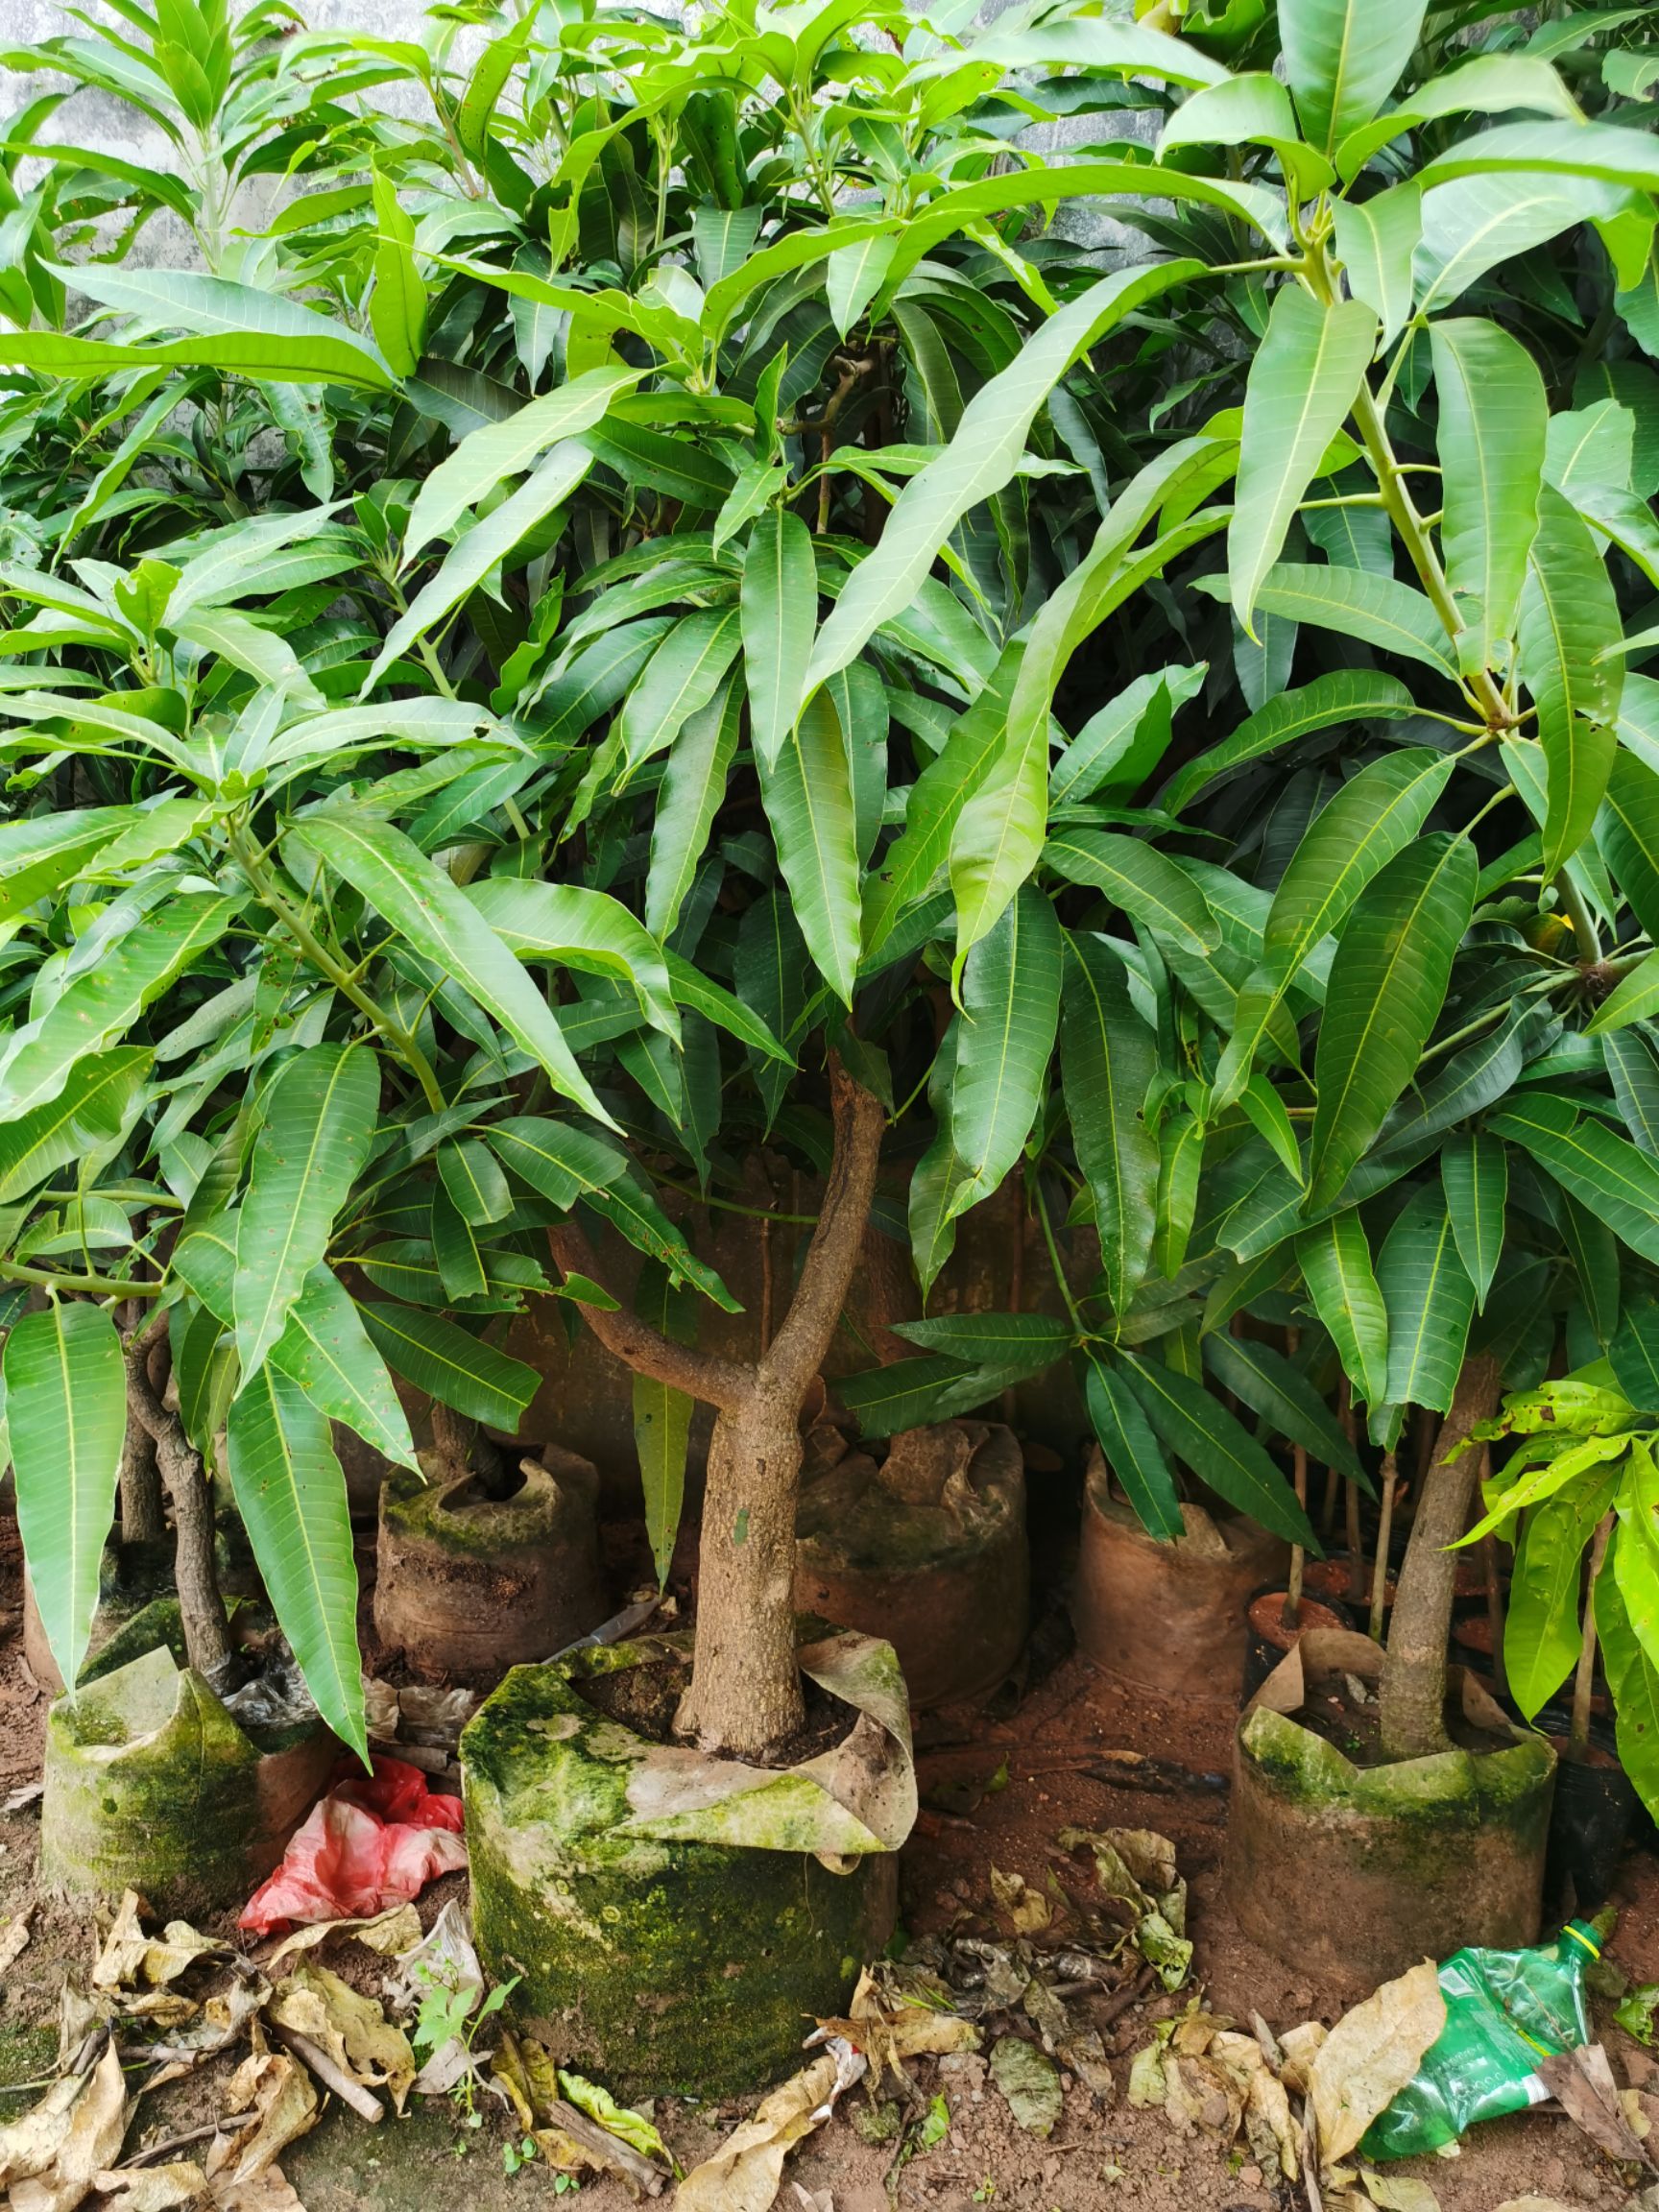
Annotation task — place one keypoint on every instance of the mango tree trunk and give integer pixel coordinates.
(744, 1698)
(1414, 1671)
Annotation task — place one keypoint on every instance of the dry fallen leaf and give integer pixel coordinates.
(1532, 2205)
(90, 2143)
(28, 2146)
(129, 1958)
(351, 2027)
(13, 1940)
(1399, 2192)
(743, 2176)
(1369, 2056)
(1581, 2083)
(276, 2090)
(1300, 2046)
(388, 1932)
(269, 2191)
(156, 2188)
(1028, 1911)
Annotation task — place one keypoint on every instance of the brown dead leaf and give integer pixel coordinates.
(1399, 2192)
(267, 2191)
(28, 2146)
(887, 2030)
(388, 1932)
(1027, 1910)
(1369, 2056)
(176, 2188)
(91, 2142)
(131, 1959)
(1298, 2048)
(350, 2027)
(14, 1942)
(1533, 2204)
(743, 2176)
(1273, 2135)
(276, 2090)
(1581, 2083)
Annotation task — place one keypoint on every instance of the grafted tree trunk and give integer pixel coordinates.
(1414, 1671)
(195, 1571)
(463, 1448)
(142, 1520)
(744, 1696)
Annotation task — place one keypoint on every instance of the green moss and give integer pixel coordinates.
(27, 2054)
(665, 1966)
(483, 1527)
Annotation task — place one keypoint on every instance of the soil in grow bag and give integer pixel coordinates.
(925, 1548)
(155, 1783)
(675, 1921)
(470, 1583)
(1271, 1634)
(1354, 1868)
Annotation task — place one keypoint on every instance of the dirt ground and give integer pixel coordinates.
(1055, 1743)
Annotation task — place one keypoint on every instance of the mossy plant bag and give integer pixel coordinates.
(1504, 2011)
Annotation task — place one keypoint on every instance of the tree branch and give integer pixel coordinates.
(799, 1348)
(705, 1374)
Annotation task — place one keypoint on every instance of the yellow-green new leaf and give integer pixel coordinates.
(1494, 417)
(1343, 57)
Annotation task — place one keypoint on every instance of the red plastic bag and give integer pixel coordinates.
(372, 1841)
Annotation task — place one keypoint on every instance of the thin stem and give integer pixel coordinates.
(1291, 1615)
(1385, 1537)
(335, 967)
(1054, 1258)
(1586, 937)
(1584, 1679)
(95, 1286)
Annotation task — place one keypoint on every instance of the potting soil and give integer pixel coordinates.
(1504, 2011)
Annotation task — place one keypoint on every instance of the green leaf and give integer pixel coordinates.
(1276, 1390)
(1628, 835)
(1634, 1354)
(65, 1386)
(1374, 817)
(1005, 1038)
(1430, 1303)
(852, 276)
(693, 786)
(449, 1365)
(1343, 57)
(487, 456)
(1494, 417)
(661, 1424)
(694, 989)
(1633, 1674)
(100, 1003)
(1131, 1451)
(398, 304)
(472, 1176)
(1475, 1169)
(425, 906)
(1634, 999)
(779, 604)
(1634, 1073)
(1386, 986)
(482, 548)
(681, 678)
(575, 927)
(911, 1394)
(1305, 377)
(1341, 695)
(807, 793)
(1569, 620)
(979, 460)
(45, 851)
(1108, 1057)
(1475, 222)
(1601, 1170)
(1200, 1430)
(273, 358)
(490, 74)
(1122, 743)
(1138, 879)
(320, 1115)
(84, 1123)
(1542, 1636)
(1376, 242)
(993, 1339)
(1377, 609)
(291, 1499)
(1335, 1263)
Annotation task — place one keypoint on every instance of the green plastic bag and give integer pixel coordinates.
(1505, 2010)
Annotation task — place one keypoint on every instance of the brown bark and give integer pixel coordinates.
(1414, 1671)
(744, 1696)
(463, 1448)
(142, 1520)
(195, 1570)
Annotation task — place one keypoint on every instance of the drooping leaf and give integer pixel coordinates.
(1139, 879)
(1132, 1451)
(779, 601)
(1601, 1170)
(1338, 696)
(319, 1118)
(291, 1495)
(1569, 620)
(1493, 419)
(1197, 1428)
(1343, 59)
(65, 1386)
(1108, 1057)
(1303, 380)
(1336, 1262)
(807, 793)
(451, 1365)
(1006, 1030)
(1276, 1389)
(1475, 1169)
(1388, 982)
(1430, 1303)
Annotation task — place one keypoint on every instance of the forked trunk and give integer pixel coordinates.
(1414, 1671)
(744, 1697)
(465, 1449)
(196, 1569)
(745, 1693)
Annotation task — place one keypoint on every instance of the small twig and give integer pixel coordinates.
(331, 2077)
(628, 2161)
(154, 2151)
